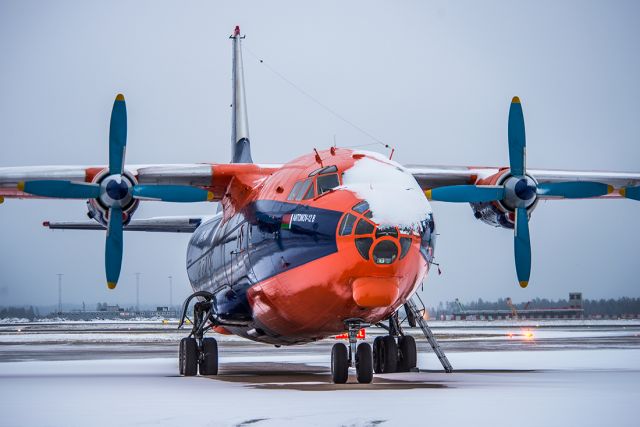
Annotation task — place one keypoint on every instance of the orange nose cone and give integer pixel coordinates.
(375, 291)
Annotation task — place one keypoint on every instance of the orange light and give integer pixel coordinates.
(362, 334)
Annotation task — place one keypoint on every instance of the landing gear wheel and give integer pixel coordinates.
(388, 355)
(189, 358)
(408, 353)
(181, 358)
(339, 363)
(209, 362)
(377, 348)
(364, 363)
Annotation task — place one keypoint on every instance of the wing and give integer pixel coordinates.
(212, 177)
(432, 177)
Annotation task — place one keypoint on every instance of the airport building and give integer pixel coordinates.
(573, 311)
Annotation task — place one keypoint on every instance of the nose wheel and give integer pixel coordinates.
(357, 355)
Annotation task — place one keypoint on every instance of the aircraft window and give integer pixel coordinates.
(363, 245)
(361, 207)
(326, 169)
(295, 190)
(327, 182)
(310, 192)
(364, 227)
(368, 214)
(385, 252)
(405, 244)
(380, 232)
(346, 227)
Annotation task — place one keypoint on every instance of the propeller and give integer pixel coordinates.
(115, 191)
(520, 191)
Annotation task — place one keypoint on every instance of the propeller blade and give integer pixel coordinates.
(630, 192)
(60, 189)
(574, 190)
(172, 193)
(517, 139)
(466, 193)
(113, 247)
(117, 135)
(522, 247)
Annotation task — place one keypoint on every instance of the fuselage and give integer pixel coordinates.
(327, 237)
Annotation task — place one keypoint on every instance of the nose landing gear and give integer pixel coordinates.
(358, 356)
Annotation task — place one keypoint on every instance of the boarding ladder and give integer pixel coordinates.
(429, 336)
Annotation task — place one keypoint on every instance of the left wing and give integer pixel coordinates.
(432, 177)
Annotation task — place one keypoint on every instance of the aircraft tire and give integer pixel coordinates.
(408, 353)
(339, 363)
(181, 358)
(209, 361)
(190, 357)
(364, 363)
(377, 348)
(389, 355)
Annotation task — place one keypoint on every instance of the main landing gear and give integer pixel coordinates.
(196, 351)
(390, 355)
(357, 355)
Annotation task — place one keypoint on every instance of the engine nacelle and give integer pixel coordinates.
(501, 213)
(97, 209)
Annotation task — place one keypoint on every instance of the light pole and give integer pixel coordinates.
(137, 292)
(170, 292)
(60, 293)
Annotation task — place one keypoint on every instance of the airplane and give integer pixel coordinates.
(332, 241)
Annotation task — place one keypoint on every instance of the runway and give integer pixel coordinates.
(573, 373)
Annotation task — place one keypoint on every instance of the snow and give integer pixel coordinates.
(263, 386)
(394, 196)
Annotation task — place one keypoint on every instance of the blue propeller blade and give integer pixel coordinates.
(631, 193)
(574, 190)
(61, 189)
(466, 193)
(517, 139)
(117, 135)
(522, 247)
(172, 193)
(113, 247)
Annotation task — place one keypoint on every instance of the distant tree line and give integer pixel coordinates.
(606, 307)
(19, 312)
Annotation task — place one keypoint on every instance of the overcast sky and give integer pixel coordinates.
(432, 78)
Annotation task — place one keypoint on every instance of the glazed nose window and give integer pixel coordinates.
(385, 252)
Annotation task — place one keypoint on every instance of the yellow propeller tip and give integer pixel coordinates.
(515, 100)
(623, 192)
(524, 284)
(428, 194)
(1, 200)
(610, 189)
(21, 186)
(119, 97)
(209, 196)
(111, 285)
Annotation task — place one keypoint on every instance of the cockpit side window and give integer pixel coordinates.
(327, 182)
(301, 190)
(324, 170)
(295, 190)
(310, 192)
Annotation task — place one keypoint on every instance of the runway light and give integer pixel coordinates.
(528, 335)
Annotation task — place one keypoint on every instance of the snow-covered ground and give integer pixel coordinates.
(596, 385)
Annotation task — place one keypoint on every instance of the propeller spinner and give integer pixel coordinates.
(115, 191)
(519, 191)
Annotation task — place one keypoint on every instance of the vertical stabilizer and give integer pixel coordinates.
(240, 146)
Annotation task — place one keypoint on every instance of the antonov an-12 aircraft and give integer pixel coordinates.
(332, 241)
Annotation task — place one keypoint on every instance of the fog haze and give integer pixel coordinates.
(433, 79)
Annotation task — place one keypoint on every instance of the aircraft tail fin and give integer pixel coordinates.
(240, 145)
